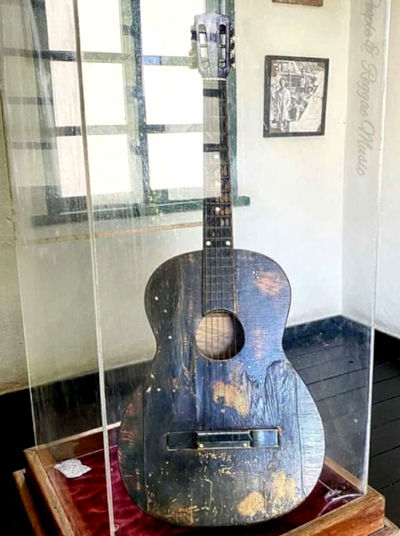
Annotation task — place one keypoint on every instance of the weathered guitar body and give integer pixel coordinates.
(197, 478)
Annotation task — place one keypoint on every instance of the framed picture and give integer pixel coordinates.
(295, 96)
(317, 3)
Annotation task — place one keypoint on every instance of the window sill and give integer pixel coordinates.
(128, 211)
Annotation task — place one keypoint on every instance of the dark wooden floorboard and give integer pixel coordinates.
(385, 438)
(386, 411)
(339, 385)
(386, 390)
(386, 371)
(337, 374)
(392, 495)
(385, 468)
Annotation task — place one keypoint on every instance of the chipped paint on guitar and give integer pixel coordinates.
(256, 389)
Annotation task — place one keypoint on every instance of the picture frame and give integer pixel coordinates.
(295, 96)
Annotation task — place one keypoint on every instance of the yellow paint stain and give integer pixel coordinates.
(179, 514)
(283, 488)
(252, 505)
(225, 471)
(269, 283)
(233, 396)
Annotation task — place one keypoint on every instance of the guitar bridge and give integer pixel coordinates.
(225, 439)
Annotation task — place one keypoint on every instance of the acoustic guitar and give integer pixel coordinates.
(223, 431)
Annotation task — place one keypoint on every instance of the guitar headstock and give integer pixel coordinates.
(213, 43)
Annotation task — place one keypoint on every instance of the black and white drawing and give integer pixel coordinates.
(295, 96)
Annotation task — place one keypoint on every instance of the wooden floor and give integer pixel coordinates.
(336, 372)
(385, 437)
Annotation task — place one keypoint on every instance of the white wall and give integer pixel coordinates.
(295, 184)
(388, 292)
(364, 138)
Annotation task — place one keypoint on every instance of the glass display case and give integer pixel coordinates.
(195, 188)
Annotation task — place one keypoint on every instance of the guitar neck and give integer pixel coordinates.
(218, 265)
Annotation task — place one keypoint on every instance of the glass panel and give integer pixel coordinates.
(173, 95)
(166, 26)
(56, 276)
(72, 169)
(64, 76)
(100, 25)
(104, 94)
(99, 22)
(60, 25)
(23, 69)
(176, 160)
(109, 164)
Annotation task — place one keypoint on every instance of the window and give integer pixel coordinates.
(142, 104)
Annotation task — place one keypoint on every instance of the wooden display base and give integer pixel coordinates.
(53, 507)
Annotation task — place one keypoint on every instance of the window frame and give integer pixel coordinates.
(74, 209)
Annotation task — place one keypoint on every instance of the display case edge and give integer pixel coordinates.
(47, 492)
(28, 503)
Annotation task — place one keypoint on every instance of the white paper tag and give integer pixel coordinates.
(72, 468)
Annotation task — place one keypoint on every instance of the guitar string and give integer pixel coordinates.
(227, 212)
(220, 216)
(217, 220)
(230, 219)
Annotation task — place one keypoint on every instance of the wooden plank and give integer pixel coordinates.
(385, 371)
(361, 517)
(385, 438)
(339, 385)
(389, 530)
(385, 390)
(330, 369)
(76, 445)
(307, 355)
(29, 505)
(386, 411)
(343, 404)
(47, 492)
(385, 468)
(392, 494)
(328, 362)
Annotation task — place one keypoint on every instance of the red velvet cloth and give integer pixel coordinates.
(85, 502)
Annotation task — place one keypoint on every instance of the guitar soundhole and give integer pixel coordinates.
(220, 335)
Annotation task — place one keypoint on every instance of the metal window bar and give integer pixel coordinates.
(74, 209)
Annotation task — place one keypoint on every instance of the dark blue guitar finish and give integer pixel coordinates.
(223, 432)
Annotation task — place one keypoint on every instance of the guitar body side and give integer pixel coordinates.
(185, 391)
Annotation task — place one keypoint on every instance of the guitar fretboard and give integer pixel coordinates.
(218, 259)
